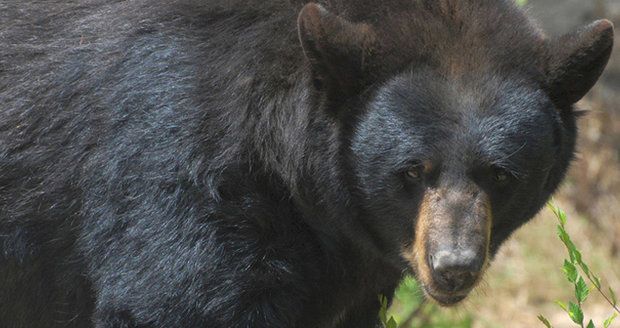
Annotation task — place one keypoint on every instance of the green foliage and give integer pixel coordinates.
(383, 315)
(391, 323)
(383, 310)
(581, 290)
(571, 268)
(521, 3)
(609, 320)
(544, 321)
(410, 309)
(571, 271)
(575, 313)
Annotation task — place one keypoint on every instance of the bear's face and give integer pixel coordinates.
(458, 128)
(446, 170)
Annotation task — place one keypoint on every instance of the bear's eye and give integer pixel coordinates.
(414, 172)
(500, 176)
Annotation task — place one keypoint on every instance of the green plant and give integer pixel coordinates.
(411, 309)
(521, 2)
(383, 314)
(575, 269)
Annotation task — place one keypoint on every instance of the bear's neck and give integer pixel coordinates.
(303, 147)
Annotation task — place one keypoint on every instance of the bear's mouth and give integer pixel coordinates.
(445, 298)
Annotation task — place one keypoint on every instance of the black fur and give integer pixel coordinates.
(181, 164)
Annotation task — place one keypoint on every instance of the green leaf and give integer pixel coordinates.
(572, 256)
(391, 323)
(521, 3)
(585, 269)
(557, 211)
(590, 324)
(609, 320)
(562, 216)
(383, 309)
(545, 321)
(575, 313)
(581, 290)
(614, 300)
(577, 255)
(563, 235)
(562, 305)
(570, 270)
(552, 207)
(596, 281)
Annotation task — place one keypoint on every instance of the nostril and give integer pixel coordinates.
(454, 270)
(461, 280)
(442, 260)
(471, 261)
(453, 281)
(431, 261)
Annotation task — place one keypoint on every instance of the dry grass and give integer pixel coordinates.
(527, 278)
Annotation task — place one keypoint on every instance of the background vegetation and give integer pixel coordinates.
(527, 278)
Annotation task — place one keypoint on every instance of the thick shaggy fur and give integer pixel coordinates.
(177, 164)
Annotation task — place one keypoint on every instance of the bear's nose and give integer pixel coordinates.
(455, 270)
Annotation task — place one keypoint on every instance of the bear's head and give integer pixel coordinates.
(459, 123)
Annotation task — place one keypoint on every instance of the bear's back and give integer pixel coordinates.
(99, 95)
(101, 89)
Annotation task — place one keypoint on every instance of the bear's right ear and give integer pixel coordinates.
(336, 49)
(577, 60)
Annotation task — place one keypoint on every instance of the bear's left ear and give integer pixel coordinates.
(336, 48)
(577, 60)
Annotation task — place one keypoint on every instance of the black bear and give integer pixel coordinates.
(195, 163)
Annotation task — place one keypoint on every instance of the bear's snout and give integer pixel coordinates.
(455, 270)
(450, 250)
